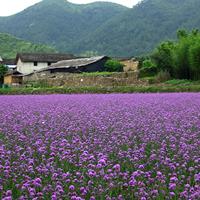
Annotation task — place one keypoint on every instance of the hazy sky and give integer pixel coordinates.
(9, 7)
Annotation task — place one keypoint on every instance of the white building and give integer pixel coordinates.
(10, 63)
(29, 62)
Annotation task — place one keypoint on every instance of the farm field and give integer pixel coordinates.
(112, 147)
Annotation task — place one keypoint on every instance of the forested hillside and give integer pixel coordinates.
(59, 23)
(103, 28)
(140, 29)
(10, 46)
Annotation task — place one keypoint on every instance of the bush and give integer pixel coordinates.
(147, 63)
(148, 71)
(113, 66)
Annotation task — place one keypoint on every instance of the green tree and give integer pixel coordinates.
(181, 62)
(194, 60)
(182, 34)
(3, 71)
(114, 66)
(163, 56)
(187, 55)
(182, 57)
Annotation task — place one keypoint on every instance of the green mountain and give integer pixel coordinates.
(141, 28)
(58, 22)
(102, 27)
(10, 46)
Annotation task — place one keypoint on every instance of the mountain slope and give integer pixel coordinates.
(140, 29)
(103, 27)
(10, 46)
(58, 22)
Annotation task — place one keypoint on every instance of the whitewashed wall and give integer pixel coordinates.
(28, 67)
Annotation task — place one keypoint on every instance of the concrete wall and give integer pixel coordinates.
(28, 67)
(77, 80)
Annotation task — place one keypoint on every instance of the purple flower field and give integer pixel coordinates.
(113, 147)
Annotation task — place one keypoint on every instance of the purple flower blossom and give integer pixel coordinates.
(90, 146)
(132, 182)
(117, 167)
(71, 187)
(172, 186)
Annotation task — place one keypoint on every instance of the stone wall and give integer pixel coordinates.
(78, 80)
(130, 65)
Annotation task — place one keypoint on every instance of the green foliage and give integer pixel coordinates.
(3, 71)
(162, 56)
(114, 66)
(148, 63)
(10, 46)
(180, 58)
(194, 60)
(141, 59)
(105, 28)
(181, 62)
(148, 71)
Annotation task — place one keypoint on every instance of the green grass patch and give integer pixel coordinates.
(182, 82)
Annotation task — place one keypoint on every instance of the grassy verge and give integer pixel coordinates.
(85, 90)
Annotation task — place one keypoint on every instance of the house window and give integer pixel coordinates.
(35, 63)
(49, 63)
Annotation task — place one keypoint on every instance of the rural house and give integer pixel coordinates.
(29, 62)
(59, 69)
(10, 63)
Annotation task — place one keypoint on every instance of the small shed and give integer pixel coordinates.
(13, 78)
